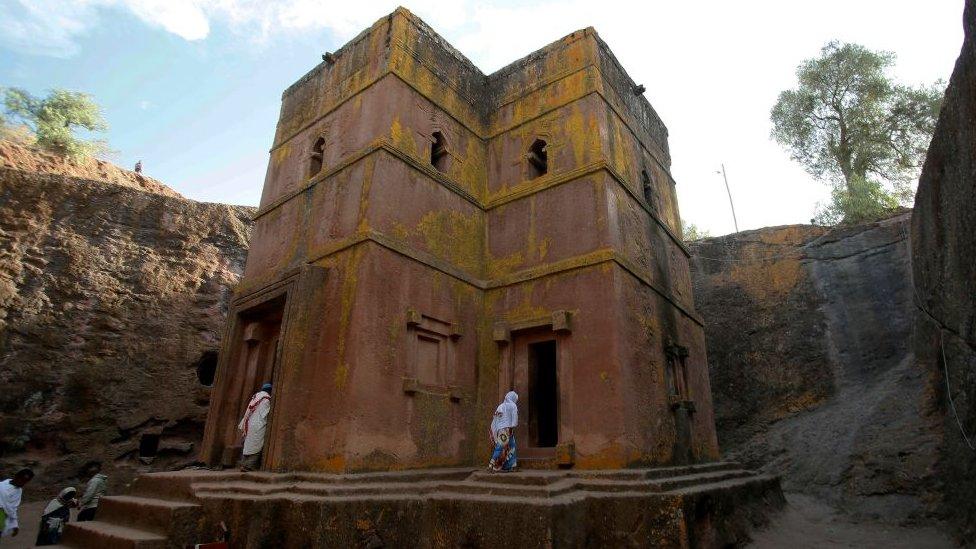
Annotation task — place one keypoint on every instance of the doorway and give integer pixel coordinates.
(543, 401)
(254, 358)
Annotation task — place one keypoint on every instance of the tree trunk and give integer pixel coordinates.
(844, 155)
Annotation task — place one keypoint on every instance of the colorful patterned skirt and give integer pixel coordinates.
(503, 458)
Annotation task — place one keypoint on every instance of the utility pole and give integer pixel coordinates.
(731, 205)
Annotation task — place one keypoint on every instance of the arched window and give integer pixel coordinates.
(438, 152)
(538, 159)
(648, 188)
(315, 159)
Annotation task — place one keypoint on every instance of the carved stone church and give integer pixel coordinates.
(428, 239)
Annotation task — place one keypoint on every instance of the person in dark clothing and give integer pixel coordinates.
(56, 515)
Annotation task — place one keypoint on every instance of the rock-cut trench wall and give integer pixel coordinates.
(944, 263)
(809, 334)
(110, 297)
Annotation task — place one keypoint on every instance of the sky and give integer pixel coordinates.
(192, 87)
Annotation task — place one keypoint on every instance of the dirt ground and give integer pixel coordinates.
(808, 522)
(30, 519)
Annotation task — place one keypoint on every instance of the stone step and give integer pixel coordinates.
(699, 479)
(409, 475)
(173, 485)
(683, 470)
(523, 477)
(103, 535)
(555, 486)
(152, 514)
(725, 484)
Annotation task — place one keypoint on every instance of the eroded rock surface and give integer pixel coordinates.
(27, 159)
(109, 298)
(944, 262)
(809, 350)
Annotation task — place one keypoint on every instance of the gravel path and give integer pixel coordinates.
(808, 522)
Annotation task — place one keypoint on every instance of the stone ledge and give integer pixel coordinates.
(667, 506)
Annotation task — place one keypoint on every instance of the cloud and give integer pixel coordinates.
(44, 27)
(188, 19)
(54, 27)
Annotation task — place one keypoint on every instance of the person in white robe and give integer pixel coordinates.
(502, 433)
(11, 491)
(253, 427)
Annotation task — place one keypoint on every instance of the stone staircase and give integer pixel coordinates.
(180, 508)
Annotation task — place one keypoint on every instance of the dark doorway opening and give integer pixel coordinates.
(207, 368)
(543, 395)
(148, 445)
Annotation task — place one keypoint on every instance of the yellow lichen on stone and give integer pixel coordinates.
(280, 155)
(575, 127)
(766, 280)
(454, 236)
(504, 265)
(368, 172)
(473, 176)
(346, 298)
(544, 248)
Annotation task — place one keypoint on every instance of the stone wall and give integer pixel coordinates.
(809, 348)
(110, 296)
(944, 262)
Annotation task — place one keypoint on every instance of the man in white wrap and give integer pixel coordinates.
(503, 426)
(253, 426)
(11, 491)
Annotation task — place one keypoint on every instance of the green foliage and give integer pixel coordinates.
(691, 232)
(55, 119)
(862, 200)
(850, 124)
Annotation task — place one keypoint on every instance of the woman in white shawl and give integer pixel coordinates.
(503, 435)
(56, 515)
(253, 426)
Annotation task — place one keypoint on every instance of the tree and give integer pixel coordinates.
(850, 124)
(56, 118)
(691, 232)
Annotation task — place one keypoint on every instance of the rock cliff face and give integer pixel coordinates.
(26, 159)
(809, 350)
(110, 298)
(944, 262)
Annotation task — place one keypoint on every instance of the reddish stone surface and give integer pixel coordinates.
(706, 505)
(395, 294)
(112, 300)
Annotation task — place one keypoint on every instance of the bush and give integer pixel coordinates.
(863, 200)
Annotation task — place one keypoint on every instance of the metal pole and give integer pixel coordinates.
(731, 205)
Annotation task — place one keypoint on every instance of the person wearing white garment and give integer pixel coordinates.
(253, 426)
(10, 492)
(502, 434)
